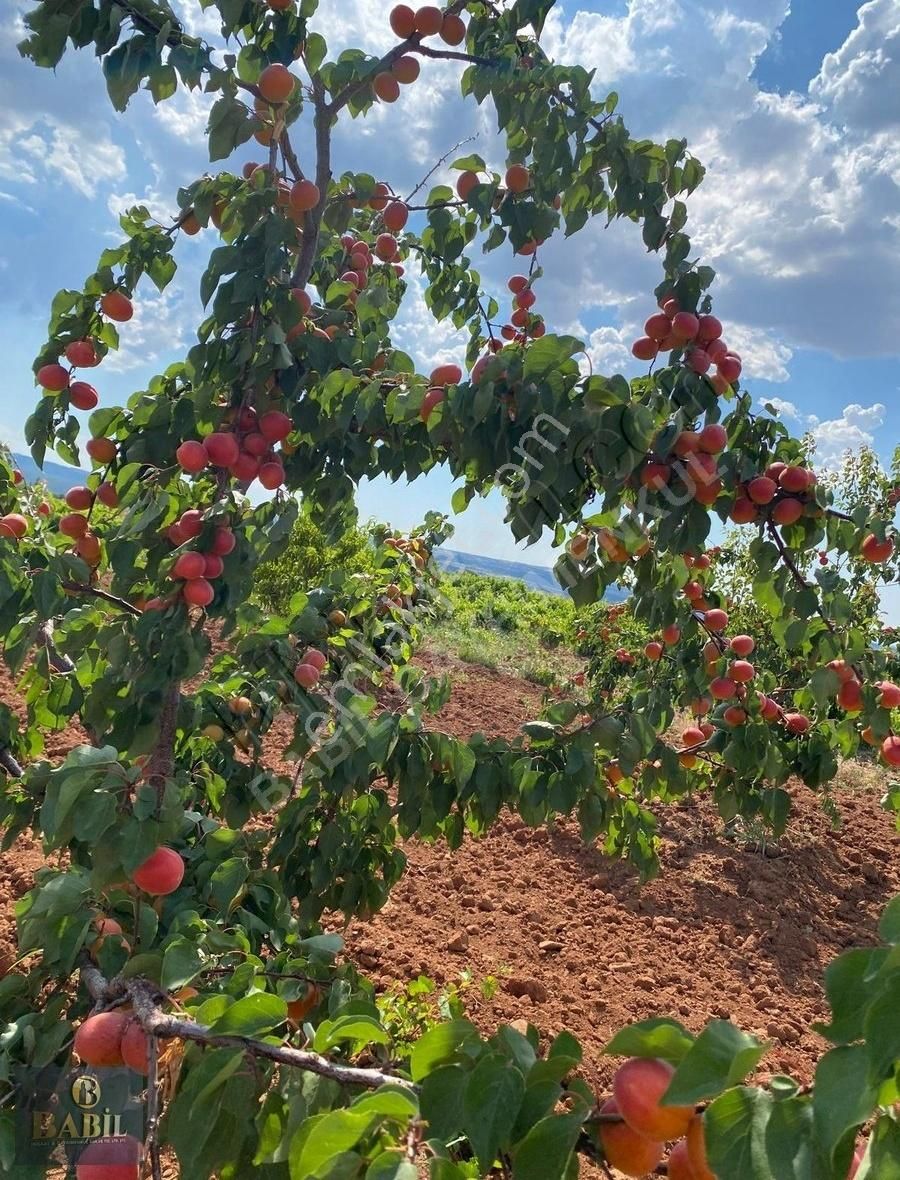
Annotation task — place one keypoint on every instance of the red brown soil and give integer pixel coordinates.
(573, 939)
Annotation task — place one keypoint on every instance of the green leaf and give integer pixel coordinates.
(182, 962)
(889, 926)
(391, 1165)
(319, 1140)
(658, 1037)
(392, 1101)
(252, 1015)
(720, 1057)
(494, 1093)
(850, 984)
(735, 1125)
(442, 1045)
(443, 1093)
(545, 1152)
(362, 1030)
(843, 1095)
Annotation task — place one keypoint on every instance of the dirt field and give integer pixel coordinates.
(576, 943)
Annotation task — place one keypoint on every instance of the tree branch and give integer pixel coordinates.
(428, 175)
(95, 592)
(161, 764)
(795, 573)
(313, 219)
(9, 763)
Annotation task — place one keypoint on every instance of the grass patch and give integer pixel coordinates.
(501, 624)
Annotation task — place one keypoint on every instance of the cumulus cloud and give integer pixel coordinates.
(835, 438)
(155, 332)
(860, 81)
(37, 148)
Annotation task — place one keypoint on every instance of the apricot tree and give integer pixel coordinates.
(181, 915)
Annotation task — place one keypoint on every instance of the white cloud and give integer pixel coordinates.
(185, 115)
(861, 80)
(428, 341)
(856, 427)
(156, 331)
(17, 202)
(42, 148)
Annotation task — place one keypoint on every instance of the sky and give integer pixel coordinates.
(794, 108)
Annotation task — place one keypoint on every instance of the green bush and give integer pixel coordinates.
(508, 606)
(306, 562)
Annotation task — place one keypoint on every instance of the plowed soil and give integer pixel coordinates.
(727, 930)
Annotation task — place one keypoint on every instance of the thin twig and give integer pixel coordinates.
(443, 160)
(795, 573)
(95, 592)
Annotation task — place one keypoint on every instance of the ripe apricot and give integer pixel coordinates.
(79, 498)
(53, 377)
(671, 634)
(304, 196)
(696, 1149)
(88, 548)
(735, 715)
(722, 688)
(446, 375)
(464, 185)
(189, 565)
(428, 20)
(306, 675)
(221, 449)
(626, 1150)
(161, 873)
(82, 354)
(743, 511)
(403, 21)
(787, 511)
(708, 329)
(653, 651)
(73, 525)
(116, 305)
(890, 750)
(276, 83)
(101, 450)
(768, 707)
(518, 178)
(876, 551)
(386, 87)
(797, 722)
(271, 475)
(741, 671)
(198, 592)
(638, 1088)
(645, 349)
(82, 395)
(192, 456)
(395, 216)
(432, 398)
(453, 29)
(98, 1039)
(713, 438)
(849, 697)
(685, 325)
(678, 1165)
(729, 367)
(742, 645)
(313, 656)
(223, 541)
(301, 1007)
(716, 620)
(385, 247)
(406, 69)
(890, 695)
(135, 1047)
(275, 426)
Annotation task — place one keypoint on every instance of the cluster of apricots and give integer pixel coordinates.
(246, 452)
(523, 323)
(699, 337)
(441, 377)
(76, 524)
(783, 492)
(310, 668)
(196, 571)
(414, 548)
(636, 1125)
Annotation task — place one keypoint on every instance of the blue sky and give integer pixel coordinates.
(794, 109)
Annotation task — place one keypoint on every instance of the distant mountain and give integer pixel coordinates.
(57, 476)
(537, 577)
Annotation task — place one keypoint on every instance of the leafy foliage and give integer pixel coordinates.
(138, 612)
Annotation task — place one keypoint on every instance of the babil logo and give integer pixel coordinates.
(60, 1113)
